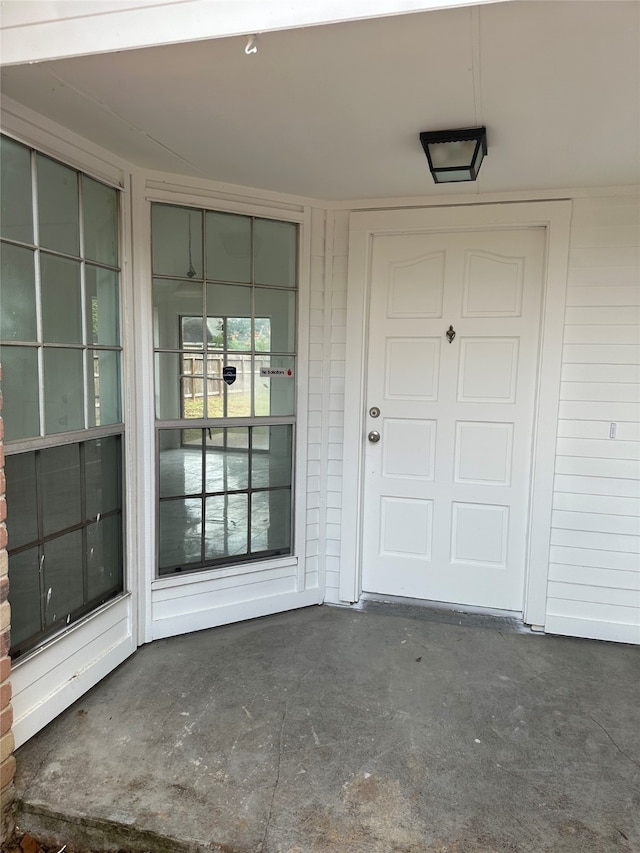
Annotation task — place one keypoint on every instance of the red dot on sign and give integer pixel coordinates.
(289, 372)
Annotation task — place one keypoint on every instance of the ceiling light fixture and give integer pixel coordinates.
(455, 155)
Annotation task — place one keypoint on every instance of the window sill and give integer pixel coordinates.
(200, 576)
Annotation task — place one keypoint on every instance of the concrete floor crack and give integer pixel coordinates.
(275, 786)
(617, 746)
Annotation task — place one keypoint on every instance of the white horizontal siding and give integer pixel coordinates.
(594, 429)
(610, 449)
(594, 573)
(336, 300)
(314, 567)
(575, 502)
(594, 576)
(628, 525)
(625, 469)
(627, 543)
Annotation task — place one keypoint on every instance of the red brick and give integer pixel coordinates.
(3, 508)
(5, 668)
(5, 616)
(3, 535)
(5, 694)
(7, 771)
(7, 746)
(5, 643)
(6, 720)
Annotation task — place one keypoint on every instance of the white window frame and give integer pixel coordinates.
(48, 679)
(210, 597)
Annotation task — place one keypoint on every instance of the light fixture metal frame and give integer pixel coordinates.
(464, 134)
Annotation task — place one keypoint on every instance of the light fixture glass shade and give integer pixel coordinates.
(455, 155)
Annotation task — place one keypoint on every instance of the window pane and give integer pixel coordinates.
(104, 387)
(63, 584)
(229, 317)
(104, 556)
(271, 521)
(228, 465)
(60, 485)
(24, 595)
(17, 294)
(63, 397)
(238, 333)
(226, 526)
(228, 247)
(176, 240)
(236, 437)
(61, 313)
(22, 520)
(100, 216)
(180, 466)
(20, 385)
(171, 301)
(274, 245)
(103, 475)
(192, 386)
(16, 222)
(180, 532)
(192, 333)
(102, 306)
(58, 206)
(275, 327)
(229, 400)
(169, 386)
(275, 394)
(272, 468)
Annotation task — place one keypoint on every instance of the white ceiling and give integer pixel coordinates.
(333, 112)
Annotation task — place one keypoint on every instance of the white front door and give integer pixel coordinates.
(447, 483)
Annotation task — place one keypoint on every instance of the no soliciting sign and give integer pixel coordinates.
(276, 371)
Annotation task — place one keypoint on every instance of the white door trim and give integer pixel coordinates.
(555, 217)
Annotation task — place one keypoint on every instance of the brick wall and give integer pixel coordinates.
(7, 760)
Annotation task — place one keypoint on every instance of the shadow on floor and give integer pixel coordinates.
(389, 729)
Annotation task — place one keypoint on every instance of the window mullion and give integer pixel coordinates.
(83, 307)
(38, 287)
(83, 520)
(253, 321)
(203, 499)
(40, 533)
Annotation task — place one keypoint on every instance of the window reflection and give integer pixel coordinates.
(225, 493)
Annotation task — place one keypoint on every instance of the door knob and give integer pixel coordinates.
(374, 436)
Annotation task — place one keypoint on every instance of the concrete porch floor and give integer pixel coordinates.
(383, 730)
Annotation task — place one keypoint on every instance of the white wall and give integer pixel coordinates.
(594, 578)
(594, 573)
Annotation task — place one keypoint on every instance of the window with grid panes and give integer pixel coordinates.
(61, 359)
(224, 309)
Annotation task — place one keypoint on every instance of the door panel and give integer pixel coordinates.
(447, 485)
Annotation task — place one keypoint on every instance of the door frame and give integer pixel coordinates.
(555, 218)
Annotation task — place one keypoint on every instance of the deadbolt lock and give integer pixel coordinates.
(374, 411)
